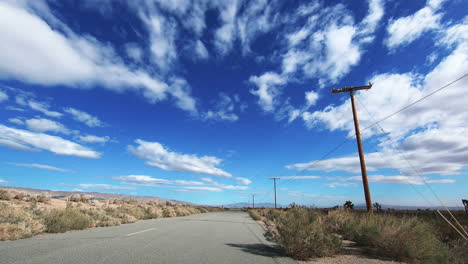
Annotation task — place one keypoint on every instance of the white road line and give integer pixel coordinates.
(131, 234)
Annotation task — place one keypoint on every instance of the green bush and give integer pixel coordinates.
(302, 234)
(59, 221)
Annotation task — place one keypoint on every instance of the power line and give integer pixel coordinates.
(411, 165)
(415, 102)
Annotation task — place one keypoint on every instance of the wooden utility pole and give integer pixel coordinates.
(365, 183)
(274, 182)
(253, 200)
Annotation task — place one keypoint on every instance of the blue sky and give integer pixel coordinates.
(203, 101)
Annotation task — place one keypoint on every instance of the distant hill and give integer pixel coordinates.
(268, 205)
(91, 195)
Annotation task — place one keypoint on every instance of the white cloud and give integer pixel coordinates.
(61, 57)
(3, 96)
(431, 134)
(299, 177)
(16, 121)
(326, 47)
(145, 180)
(134, 51)
(340, 184)
(38, 166)
(201, 50)
(84, 117)
(400, 179)
(405, 30)
(198, 189)
(268, 85)
(224, 109)
(241, 180)
(44, 125)
(93, 139)
(224, 186)
(311, 98)
(225, 35)
(42, 107)
(156, 155)
(29, 141)
(180, 90)
(100, 186)
(371, 21)
(162, 36)
(2, 182)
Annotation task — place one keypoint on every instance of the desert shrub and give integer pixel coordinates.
(169, 212)
(79, 198)
(255, 215)
(16, 223)
(59, 221)
(6, 195)
(19, 196)
(203, 210)
(302, 234)
(402, 238)
(100, 218)
(153, 212)
(121, 214)
(459, 251)
(43, 199)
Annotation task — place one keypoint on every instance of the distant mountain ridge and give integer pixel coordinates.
(92, 195)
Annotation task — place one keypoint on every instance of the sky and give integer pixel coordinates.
(204, 101)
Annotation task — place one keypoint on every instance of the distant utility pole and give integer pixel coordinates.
(365, 183)
(274, 182)
(253, 200)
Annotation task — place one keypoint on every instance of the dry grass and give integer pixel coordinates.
(22, 215)
(255, 215)
(401, 238)
(16, 223)
(305, 233)
(302, 233)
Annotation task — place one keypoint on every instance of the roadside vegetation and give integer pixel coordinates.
(414, 237)
(23, 216)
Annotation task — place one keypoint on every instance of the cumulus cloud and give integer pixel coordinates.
(145, 180)
(225, 108)
(61, 57)
(43, 107)
(84, 117)
(210, 181)
(325, 47)
(3, 96)
(38, 166)
(201, 50)
(44, 125)
(100, 186)
(93, 139)
(158, 156)
(399, 179)
(198, 189)
(16, 120)
(268, 88)
(29, 141)
(299, 177)
(241, 180)
(405, 30)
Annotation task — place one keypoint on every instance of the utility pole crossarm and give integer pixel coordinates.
(352, 89)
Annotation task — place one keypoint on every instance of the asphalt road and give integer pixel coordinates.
(221, 237)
